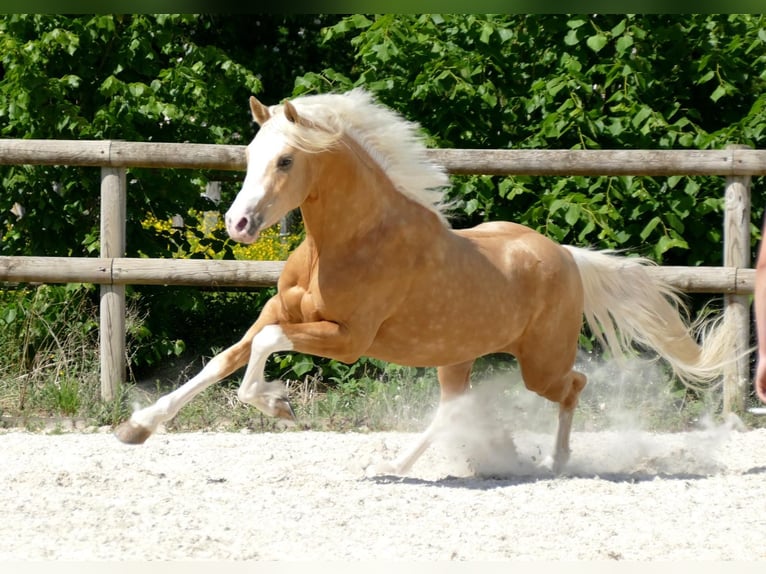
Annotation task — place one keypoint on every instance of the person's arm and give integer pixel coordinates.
(759, 304)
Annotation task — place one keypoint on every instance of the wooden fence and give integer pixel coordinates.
(112, 271)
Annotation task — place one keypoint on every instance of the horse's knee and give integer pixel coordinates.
(578, 381)
(562, 390)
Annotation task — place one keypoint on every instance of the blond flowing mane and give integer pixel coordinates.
(393, 142)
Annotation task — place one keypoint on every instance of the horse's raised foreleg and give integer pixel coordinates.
(344, 343)
(269, 398)
(144, 422)
(454, 380)
(321, 338)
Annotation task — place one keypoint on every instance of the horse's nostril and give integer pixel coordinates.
(241, 224)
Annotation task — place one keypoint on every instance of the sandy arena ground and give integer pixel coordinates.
(304, 496)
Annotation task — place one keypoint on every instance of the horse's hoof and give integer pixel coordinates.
(282, 409)
(555, 464)
(274, 403)
(383, 468)
(132, 433)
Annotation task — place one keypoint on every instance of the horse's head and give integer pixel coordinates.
(275, 182)
(305, 146)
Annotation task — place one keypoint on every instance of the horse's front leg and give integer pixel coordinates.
(144, 422)
(454, 381)
(322, 338)
(269, 398)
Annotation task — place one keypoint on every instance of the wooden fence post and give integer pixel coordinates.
(736, 245)
(112, 304)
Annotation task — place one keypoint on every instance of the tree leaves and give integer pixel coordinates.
(610, 81)
(597, 42)
(131, 77)
(615, 81)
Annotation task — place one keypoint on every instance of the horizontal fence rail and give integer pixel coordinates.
(112, 271)
(111, 153)
(228, 273)
(142, 271)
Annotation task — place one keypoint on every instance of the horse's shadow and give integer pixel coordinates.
(490, 482)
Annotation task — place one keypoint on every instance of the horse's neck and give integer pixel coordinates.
(352, 198)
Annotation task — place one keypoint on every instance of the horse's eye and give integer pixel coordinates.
(285, 162)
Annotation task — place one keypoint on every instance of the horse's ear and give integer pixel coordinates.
(260, 112)
(291, 113)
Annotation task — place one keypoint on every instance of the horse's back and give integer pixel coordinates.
(535, 266)
(521, 253)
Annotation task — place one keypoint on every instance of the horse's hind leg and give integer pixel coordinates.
(566, 414)
(454, 380)
(564, 390)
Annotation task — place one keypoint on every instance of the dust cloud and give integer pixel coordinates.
(501, 429)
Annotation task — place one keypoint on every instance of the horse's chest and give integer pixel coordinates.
(301, 305)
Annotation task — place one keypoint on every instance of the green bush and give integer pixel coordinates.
(49, 345)
(594, 81)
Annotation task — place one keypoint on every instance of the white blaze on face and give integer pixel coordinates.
(249, 213)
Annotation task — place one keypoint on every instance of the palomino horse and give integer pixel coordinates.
(382, 274)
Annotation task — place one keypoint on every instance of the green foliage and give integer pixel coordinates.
(49, 342)
(614, 81)
(139, 77)
(173, 321)
(35, 317)
(388, 398)
(572, 82)
(297, 366)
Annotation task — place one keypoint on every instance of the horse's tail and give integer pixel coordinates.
(624, 304)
